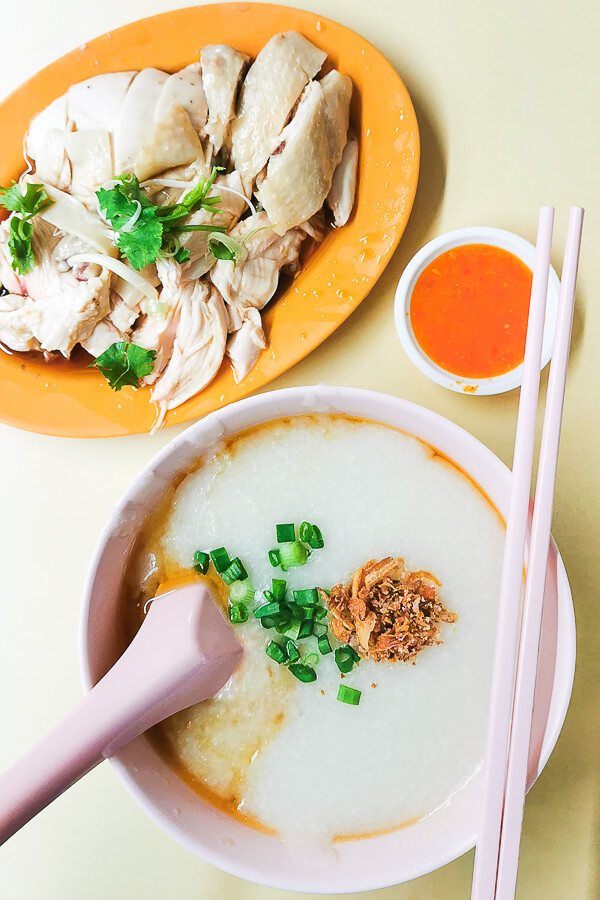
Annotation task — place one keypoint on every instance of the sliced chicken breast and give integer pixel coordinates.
(246, 345)
(254, 279)
(340, 198)
(222, 69)
(69, 302)
(19, 320)
(272, 86)
(96, 102)
(300, 171)
(199, 345)
(153, 133)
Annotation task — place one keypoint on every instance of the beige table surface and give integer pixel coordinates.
(507, 99)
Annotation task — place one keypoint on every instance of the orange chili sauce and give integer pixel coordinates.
(469, 309)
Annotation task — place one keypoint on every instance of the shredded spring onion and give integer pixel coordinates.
(119, 268)
(131, 223)
(224, 247)
(292, 651)
(311, 659)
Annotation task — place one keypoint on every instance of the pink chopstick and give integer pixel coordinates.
(507, 633)
(516, 781)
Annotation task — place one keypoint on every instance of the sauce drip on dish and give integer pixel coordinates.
(469, 310)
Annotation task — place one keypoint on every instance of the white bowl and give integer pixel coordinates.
(355, 865)
(497, 237)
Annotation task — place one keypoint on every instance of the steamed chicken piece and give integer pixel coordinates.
(104, 335)
(19, 316)
(157, 331)
(340, 198)
(246, 345)
(96, 102)
(272, 86)
(153, 131)
(222, 68)
(253, 280)
(300, 171)
(45, 143)
(199, 344)
(66, 302)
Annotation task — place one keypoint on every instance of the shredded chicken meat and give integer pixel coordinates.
(387, 612)
(273, 130)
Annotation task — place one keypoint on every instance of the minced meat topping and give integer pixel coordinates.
(387, 612)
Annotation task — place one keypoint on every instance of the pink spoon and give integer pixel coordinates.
(184, 652)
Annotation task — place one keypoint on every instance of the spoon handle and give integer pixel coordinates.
(183, 653)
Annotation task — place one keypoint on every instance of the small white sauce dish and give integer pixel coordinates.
(496, 237)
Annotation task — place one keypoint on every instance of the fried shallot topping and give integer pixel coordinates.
(388, 612)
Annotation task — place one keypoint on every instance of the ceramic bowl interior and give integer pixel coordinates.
(497, 237)
(351, 866)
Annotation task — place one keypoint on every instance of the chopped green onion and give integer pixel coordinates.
(201, 562)
(348, 695)
(344, 659)
(235, 571)
(311, 535)
(316, 538)
(283, 624)
(353, 654)
(320, 612)
(238, 613)
(242, 591)
(294, 630)
(293, 554)
(304, 531)
(267, 609)
(324, 645)
(268, 622)
(276, 652)
(305, 628)
(220, 558)
(285, 533)
(279, 588)
(306, 597)
(298, 612)
(274, 558)
(292, 650)
(319, 629)
(311, 660)
(303, 673)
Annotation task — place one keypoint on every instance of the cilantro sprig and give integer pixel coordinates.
(124, 364)
(24, 207)
(154, 229)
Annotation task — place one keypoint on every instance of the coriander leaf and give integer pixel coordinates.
(124, 364)
(19, 245)
(35, 199)
(129, 187)
(142, 244)
(198, 196)
(224, 247)
(182, 255)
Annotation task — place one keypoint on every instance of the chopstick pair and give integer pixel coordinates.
(511, 701)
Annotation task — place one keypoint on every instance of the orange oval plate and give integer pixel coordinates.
(70, 400)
